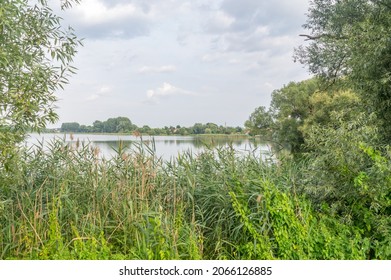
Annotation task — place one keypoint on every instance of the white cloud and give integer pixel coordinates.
(214, 56)
(154, 95)
(99, 19)
(103, 90)
(156, 69)
(269, 85)
(95, 12)
(219, 21)
(92, 97)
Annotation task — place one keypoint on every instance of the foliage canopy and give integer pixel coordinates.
(349, 41)
(36, 53)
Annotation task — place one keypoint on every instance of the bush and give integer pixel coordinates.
(349, 174)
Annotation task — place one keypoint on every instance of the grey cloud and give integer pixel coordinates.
(156, 69)
(281, 15)
(116, 29)
(144, 5)
(275, 45)
(165, 91)
(123, 18)
(241, 9)
(254, 25)
(102, 18)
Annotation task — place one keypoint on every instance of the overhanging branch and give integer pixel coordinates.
(316, 37)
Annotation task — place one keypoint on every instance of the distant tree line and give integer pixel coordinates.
(124, 125)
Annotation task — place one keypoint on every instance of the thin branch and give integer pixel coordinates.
(316, 37)
(310, 37)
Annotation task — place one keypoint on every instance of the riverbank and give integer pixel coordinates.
(64, 203)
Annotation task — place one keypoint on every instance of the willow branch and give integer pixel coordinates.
(316, 37)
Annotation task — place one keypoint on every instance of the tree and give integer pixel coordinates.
(349, 41)
(110, 125)
(97, 126)
(35, 61)
(347, 177)
(183, 131)
(260, 121)
(115, 125)
(85, 128)
(330, 109)
(124, 125)
(70, 127)
(198, 128)
(290, 106)
(145, 129)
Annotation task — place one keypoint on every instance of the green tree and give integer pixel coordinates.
(145, 129)
(214, 128)
(290, 106)
(183, 131)
(70, 127)
(349, 41)
(260, 122)
(85, 128)
(347, 177)
(110, 125)
(97, 126)
(327, 106)
(116, 125)
(124, 125)
(35, 61)
(198, 128)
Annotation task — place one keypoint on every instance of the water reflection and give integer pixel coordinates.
(167, 147)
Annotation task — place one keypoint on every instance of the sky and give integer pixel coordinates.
(180, 62)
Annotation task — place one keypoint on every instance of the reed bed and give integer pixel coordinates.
(65, 202)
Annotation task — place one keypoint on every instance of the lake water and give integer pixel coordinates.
(167, 147)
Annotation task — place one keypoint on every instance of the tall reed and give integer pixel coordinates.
(66, 202)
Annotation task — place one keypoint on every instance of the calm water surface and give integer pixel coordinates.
(167, 147)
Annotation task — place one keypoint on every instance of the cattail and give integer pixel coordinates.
(96, 151)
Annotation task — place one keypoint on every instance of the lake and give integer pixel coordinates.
(167, 147)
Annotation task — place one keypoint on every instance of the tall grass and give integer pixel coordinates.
(66, 202)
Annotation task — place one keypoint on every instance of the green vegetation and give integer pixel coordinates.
(66, 203)
(35, 60)
(349, 43)
(336, 126)
(327, 194)
(124, 125)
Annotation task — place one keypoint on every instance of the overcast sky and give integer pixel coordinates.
(170, 62)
